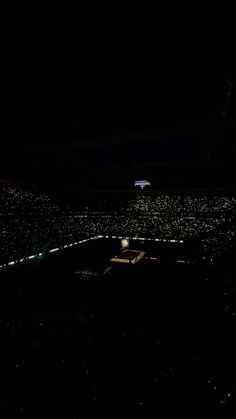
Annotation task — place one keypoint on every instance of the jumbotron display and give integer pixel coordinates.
(141, 183)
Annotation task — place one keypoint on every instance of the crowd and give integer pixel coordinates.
(19, 200)
(134, 365)
(170, 204)
(182, 204)
(30, 222)
(90, 361)
(116, 371)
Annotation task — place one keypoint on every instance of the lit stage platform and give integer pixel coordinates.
(128, 256)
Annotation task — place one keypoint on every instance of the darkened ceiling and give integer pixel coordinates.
(69, 75)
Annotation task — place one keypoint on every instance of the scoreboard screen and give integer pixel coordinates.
(141, 183)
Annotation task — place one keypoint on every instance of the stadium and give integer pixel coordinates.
(117, 212)
(67, 272)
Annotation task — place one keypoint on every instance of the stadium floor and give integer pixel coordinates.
(144, 339)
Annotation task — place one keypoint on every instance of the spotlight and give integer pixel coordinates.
(124, 243)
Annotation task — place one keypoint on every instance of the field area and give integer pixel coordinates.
(156, 336)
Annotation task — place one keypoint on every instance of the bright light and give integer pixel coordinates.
(124, 243)
(141, 183)
(54, 250)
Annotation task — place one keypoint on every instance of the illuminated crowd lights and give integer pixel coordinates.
(188, 221)
(185, 223)
(185, 204)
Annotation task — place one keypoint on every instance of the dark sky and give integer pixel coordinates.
(93, 72)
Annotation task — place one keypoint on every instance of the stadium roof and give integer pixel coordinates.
(83, 77)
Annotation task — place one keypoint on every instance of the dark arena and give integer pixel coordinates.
(134, 335)
(117, 215)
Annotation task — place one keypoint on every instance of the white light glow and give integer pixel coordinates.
(141, 183)
(54, 250)
(124, 243)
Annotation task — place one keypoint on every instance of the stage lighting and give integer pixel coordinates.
(124, 243)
